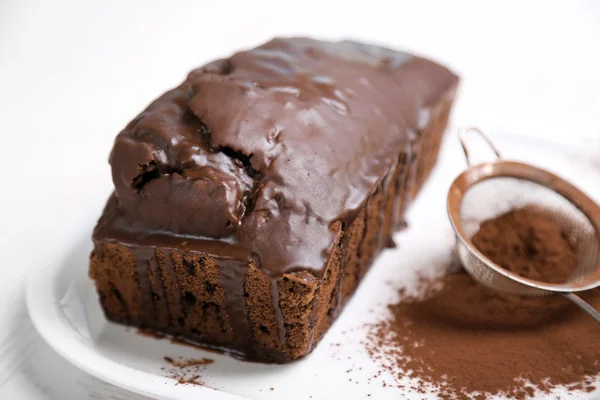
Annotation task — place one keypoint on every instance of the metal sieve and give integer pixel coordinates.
(490, 189)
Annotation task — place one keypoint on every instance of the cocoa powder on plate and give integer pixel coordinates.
(470, 342)
(187, 371)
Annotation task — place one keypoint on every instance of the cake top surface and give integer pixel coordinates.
(265, 150)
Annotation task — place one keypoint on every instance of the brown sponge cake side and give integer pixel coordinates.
(174, 287)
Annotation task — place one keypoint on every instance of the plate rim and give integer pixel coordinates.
(52, 325)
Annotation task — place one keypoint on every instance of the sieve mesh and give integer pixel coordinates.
(496, 195)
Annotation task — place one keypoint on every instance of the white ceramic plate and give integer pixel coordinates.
(64, 308)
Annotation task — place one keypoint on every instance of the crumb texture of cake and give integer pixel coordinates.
(251, 200)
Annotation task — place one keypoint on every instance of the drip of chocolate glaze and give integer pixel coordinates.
(232, 280)
(381, 238)
(174, 286)
(275, 298)
(337, 230)
(313, 316)
(162, 309)
(403, 199)
(143, 256)
(339, 297)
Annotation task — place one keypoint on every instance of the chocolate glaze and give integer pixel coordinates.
(232, 280)
(171, 281)
(160, 297)
(255, 156)
(143, 257)
(275, 298)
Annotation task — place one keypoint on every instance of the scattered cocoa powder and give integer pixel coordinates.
(529, 243)
(187, 371)
(189, 362)
(469, 342)
(194, 380)
(465, 339)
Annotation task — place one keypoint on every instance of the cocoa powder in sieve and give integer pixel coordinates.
(529, 243)
(471, 342)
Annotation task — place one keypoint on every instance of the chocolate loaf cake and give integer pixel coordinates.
(250, 200)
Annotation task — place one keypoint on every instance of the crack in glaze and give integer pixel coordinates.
(148, 172)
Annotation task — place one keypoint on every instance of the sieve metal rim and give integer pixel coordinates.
(513, 169)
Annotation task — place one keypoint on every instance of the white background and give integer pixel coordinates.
(73, 73)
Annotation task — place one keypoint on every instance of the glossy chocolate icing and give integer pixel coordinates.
(255, 156)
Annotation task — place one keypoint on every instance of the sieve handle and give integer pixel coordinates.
(462, 136)
(584, 305)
